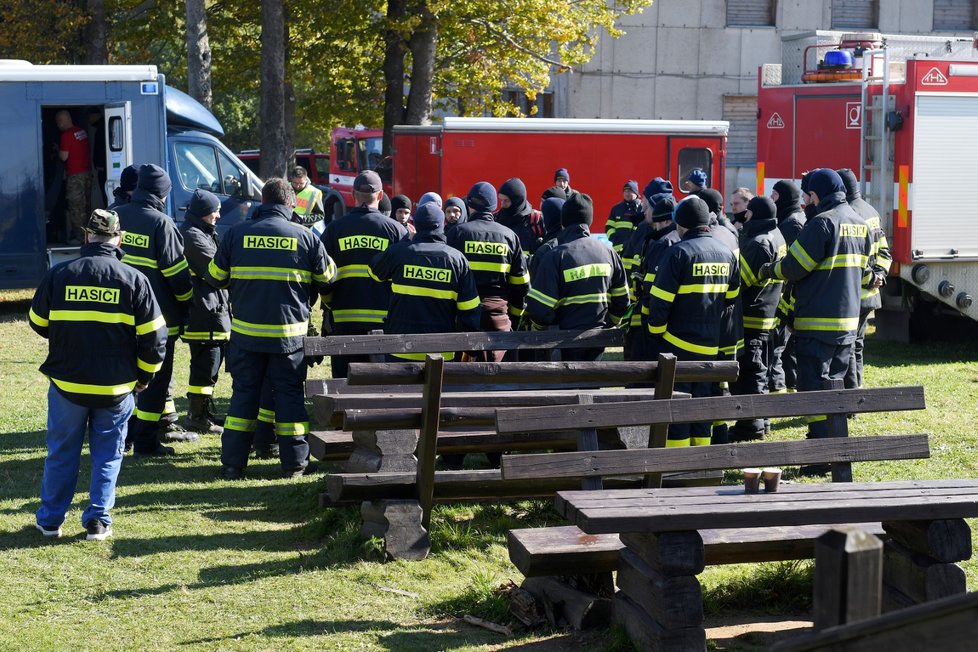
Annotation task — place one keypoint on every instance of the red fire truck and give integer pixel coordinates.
(902, 112)
(600, 155)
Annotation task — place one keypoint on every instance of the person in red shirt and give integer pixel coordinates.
(74, 151)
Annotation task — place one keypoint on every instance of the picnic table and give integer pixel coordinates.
(660, 600)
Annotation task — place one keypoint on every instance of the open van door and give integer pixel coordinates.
(118, 144)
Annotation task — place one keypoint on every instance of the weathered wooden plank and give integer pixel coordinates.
(338, 444)
(721, 456)
(944, 541)
(383, 418)
(848, 577)
(398, 523)
(839, 427)
(474, 341)
(646, 634)
(566, 606)
(673, 601)
(613, 373)
(670, 553)
(427, 441)
(587, 440)
(948, 624)
(665, 383)
(919, 577)
(760, 406)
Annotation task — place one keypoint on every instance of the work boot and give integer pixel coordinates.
(197, 419)
(309, 468)
(231, 473)
(209, 411)
(170, 432)
(269, 452)
(159, 451)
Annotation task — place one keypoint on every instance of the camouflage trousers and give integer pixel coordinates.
(78, 193)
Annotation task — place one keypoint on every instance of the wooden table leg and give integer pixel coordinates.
(919, 561)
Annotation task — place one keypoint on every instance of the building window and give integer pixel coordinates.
(750, 13)
(741, 112)
(855, 14)
(954, 15)
(544, 103)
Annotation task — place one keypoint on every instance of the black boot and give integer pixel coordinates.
(171, 431)
(209, 411)
(197, 419)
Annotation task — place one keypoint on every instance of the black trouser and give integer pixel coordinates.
(854, 375)
(150, 404)
(783, 365)
(205, 366)
(819, 361)
(754, 360)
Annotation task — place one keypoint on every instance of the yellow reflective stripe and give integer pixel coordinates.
(657, 330)
(176, 268)
(37, 319)
(826, 324)
(677, 443)
(760, 323)
(703, 288)
(518, 280)
(481, 266)
(581, 299)
(650, 278)
(540, 297)
(733, 294)
(140, 261)
(150, 326)
(353, 271)
(620, 291)
(173, 330)
(271, 274)
(732, 350)
(152, 417)
(415, 291)
(665, 295)
(801, 256)
(186, 296)
(149, 367)
(517, 312)
(701, 441)
(204, 390)
(746, 273)
(169, 407)
(471, 304)
(844, 260)
(269, 330)
(645, 310)
(866, 294)
(92, 315)
(816, 418)
(206, 336)
(360, 314)
(96, 390)
(216, 271)
(237, 423)
(266, 416)
(689, 346)
(448, 355)
(636, 319)
(328, 275)
(292, 429)
(628, 263)
(370, 271)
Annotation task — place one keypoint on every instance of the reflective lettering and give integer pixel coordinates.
(89, 293)
(363, 242)
(270, 242)
(428, 273)
(853, 230)
(135, 240)
(490, 248)
(711, 269)
(587, 271)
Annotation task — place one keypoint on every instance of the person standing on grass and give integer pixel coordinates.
(106, 340)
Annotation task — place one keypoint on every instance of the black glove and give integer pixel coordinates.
(766, 272)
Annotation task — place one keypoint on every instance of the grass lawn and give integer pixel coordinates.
(199, 563)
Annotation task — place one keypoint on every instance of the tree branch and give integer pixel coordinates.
(509, 39)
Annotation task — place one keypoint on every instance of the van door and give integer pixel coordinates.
(118, 144)
(686, 154)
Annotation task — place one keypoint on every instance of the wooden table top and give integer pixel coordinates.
(700, 508)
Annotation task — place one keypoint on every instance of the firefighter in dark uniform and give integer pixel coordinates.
(357, 304)
(625, 216)
(663, 236)
(880, 260)
(432, 288)
(516, 213)
(152, 244)
(496, 259)
(791, 220)
(209, 323)
(551, 223)
(697, 279)
(579, 284)
(760, 243)
(828, 264)
(272, 266)
(631, 252)
(106, 339)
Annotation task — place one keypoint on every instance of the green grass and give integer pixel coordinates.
(199, 563)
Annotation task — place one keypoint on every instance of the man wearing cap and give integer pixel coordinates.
(122, 193)
(308, 198)
(696, 280)
(829, 264)
(209, 321)
(272, 267)
(357, 304)
(625, 216)
(106, 339)
(662, 235)
(696, 181)
(791, 220)
(561, 188)
(760, 243)
(153, 245)
(579, 284)
(497, 262)
(516, 213)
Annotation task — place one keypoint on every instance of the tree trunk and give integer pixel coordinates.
(274, 154)
(198, 54)
(393, 71)
(94, 34)
(422, 45)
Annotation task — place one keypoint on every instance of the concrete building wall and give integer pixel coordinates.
(678, 59)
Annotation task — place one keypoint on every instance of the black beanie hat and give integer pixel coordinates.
(551, 209)
(129, 178)
(692, 212)
(632, 185)
(762, 208)
(713, 199)
(655, 187)
(562, 173)
(428, 218)
(663, 208)
(399, 201)
(850, 182)
(385, 205)
(579, 209)
(155, 180)
(824, 182)
(481, 198)
(789, 196)
(203, 203)
(806, 179)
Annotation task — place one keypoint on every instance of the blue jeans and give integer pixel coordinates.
(67, 425)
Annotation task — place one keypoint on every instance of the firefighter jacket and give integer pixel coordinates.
(273, 267)
(697, 279)
(432, 288)
(656, 248)
(631, 250)
(624, 217)
(358, 302)
(103, 325)
(731, 323)
(580, 284)
(790, 222)
(880, 258)
(309, 205)
(210, 312)
(527, 225)
(760, 242)
(828, 264)
(496, 259)
(153, 245)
